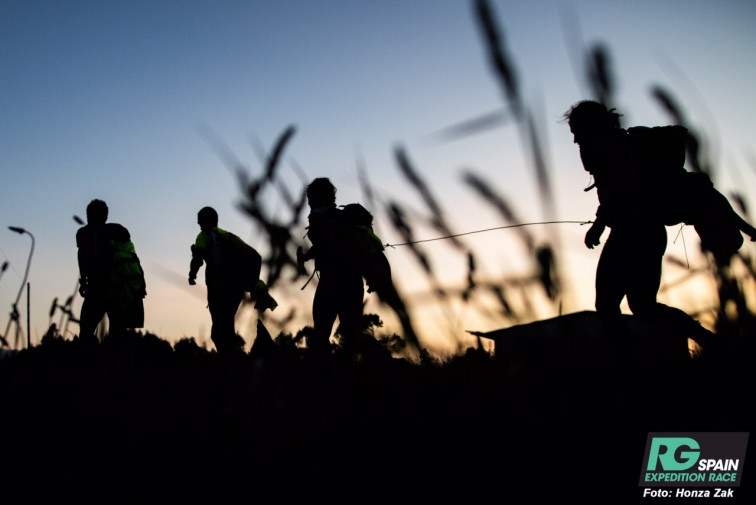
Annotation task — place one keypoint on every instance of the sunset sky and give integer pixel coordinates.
(128, 101)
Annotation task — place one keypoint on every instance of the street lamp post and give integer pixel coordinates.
(14, 312)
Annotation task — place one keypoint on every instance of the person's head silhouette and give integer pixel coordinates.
(207, 218)
(321, 193)
(97, 212)
(590, 121)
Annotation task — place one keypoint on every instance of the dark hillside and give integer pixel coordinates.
(142, 422)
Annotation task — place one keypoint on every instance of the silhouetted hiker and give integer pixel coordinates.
(340, 288)
(231, 268)
(346, 250)
(631, 204)
(111, 276)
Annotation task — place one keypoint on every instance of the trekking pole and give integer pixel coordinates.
(301, 268)
(14, 313)
(308, 280)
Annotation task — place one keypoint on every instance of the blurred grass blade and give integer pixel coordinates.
(599, 75)
(277, 152)
(502, 67)
(437, 215)
(693, 147)
(474, 126)
(484, 189)
(548, 272)
(542, 176)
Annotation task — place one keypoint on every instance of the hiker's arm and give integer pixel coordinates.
(195, 264)
(302, 258)
(83, 277)
(83, 264)
(305, 255)
(593, 235)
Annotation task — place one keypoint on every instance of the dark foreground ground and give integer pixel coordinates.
(142, 422)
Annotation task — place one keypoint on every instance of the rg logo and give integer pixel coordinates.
(674, 453)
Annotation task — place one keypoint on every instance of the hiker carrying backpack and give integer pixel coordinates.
(111, 279)
(338, 260)
(232, 268)
(346, 250)
(636, 174)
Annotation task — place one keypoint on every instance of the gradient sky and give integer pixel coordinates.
(118, 100)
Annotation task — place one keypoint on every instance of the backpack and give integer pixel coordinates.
(366, 246)
(240, 262)
(126, 284)
(686, 197)
(660, 153)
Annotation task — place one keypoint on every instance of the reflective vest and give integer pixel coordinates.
(127, 283)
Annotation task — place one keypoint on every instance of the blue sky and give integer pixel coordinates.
(114, 100)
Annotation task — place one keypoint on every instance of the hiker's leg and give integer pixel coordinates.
(324, 311)
(645, 281)
(350, 304)
(223, 305)
(92, 312)
(116, 323)
(610, 288)
(644, 288)
(644, 277)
